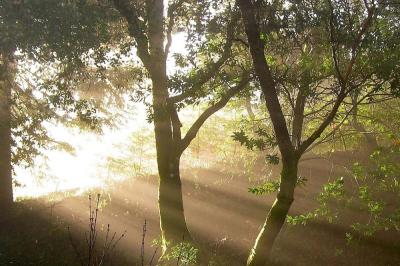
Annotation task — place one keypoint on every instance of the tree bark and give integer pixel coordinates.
(265, 78)
(298, 119)
(172, 217)
(276, 217)
(261, 251)
(6, 189)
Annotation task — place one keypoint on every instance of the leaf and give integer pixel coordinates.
(272, 159)
(267, 187)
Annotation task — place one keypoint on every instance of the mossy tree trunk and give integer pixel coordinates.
(276, 217)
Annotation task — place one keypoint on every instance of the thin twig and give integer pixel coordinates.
(143, 237)
(152, 257)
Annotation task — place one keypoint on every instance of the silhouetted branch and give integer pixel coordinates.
(210, 70)
(192, 132)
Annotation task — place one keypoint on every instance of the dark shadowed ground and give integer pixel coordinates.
(221, 214)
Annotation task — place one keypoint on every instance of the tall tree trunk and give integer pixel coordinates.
(277, 214)
(150, 48)
(6, 190)
(172, 217)
(261, 251)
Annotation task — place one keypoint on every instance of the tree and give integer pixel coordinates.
(332, 37)
(153, 34)
(40, 33)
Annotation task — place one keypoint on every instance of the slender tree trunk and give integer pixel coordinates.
(249, 108)
(297, 128)
(172, 216)
(6, 190)
(261, 251)
(370, 137)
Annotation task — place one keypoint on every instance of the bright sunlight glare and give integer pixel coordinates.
(85, 167)
(80, 169)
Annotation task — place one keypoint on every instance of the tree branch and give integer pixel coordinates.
(171, 15)
(334, 45)
(298, 118)
(211, 70)
(136, 29)
(192, 132)
(264, 74)
(367, 22)
(343, 80)
(176, 124)
(341, 122)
